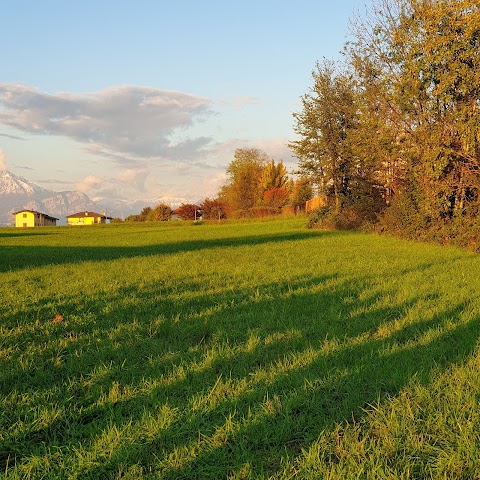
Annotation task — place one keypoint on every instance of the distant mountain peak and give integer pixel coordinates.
(16, 193)
(12, 184)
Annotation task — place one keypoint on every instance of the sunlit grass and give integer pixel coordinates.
(248, 350)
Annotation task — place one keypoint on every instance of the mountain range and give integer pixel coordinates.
(17, 193)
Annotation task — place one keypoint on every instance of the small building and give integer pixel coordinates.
(32, 218)
(87, 218)
(175, 215)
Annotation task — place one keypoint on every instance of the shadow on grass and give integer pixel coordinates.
(18, 257)
(24, 233)
(253, 377)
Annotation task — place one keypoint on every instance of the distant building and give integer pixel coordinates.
(32, 218)
(87, 218)
(175, 215)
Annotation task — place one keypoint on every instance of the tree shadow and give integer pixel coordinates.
(286, 363)
(17, 257)
(23, 233)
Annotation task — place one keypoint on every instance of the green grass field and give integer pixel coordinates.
(239, 350)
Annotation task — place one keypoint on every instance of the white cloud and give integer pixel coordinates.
(88, 183)
(246, 100)
(210, 186)
(134, 178)
(127, 183)
(12, 137)
(277, 149)
(143, 136)
(125, 122)
(3, 163)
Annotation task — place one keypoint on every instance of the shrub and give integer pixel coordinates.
(160, 213)
(213, 209)
(326, 218)
(188, 211)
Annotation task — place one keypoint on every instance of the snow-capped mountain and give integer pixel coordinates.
(17, 192)
(11, 184)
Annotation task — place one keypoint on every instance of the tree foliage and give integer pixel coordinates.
(250, 175)
(399, 126)
(328, 115)
(244, 173)
(302, 191)
(160, 213)
(273, 176)
(188, 211)
(276, 197)
(213, 209)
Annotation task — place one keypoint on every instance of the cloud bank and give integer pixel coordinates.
(124, 123)
(3, 163)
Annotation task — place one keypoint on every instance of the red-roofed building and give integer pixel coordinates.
(87, 218)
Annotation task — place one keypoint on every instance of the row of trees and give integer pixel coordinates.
(160, 213)
(209, 209)
(257, 186)
(395, 128)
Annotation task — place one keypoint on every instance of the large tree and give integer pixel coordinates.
(418, 61)
(441, 41)
(241, 193)
(273, 176)
(301, 192)
(323, 125)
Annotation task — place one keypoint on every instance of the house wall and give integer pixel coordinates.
(49, 222)
(30, 219)
(85, 220)
(25, 219)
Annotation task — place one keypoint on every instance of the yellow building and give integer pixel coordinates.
(87, 218)
(32, 218)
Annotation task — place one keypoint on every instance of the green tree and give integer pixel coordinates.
(441, 44)
(242, 193)
(418, 63)
(323, 126)
(273, 176)
(301, 192)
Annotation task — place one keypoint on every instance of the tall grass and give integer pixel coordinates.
(248, 350)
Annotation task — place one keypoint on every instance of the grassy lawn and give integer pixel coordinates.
(240, 350)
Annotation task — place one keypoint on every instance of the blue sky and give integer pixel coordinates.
(143, 99)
